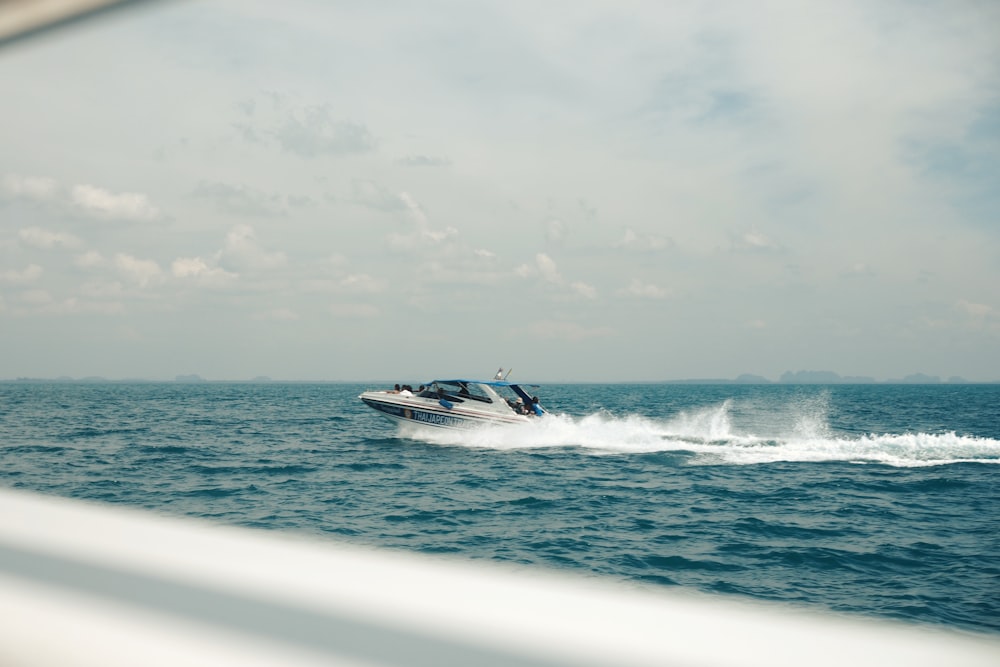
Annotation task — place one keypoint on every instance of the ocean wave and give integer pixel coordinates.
(709, 437)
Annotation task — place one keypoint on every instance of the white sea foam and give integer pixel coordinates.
(797, 432)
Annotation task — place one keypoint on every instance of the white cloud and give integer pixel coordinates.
(545, 268)
(976, 309)
(243, 200)
(554, 229)
(371, 194)
(242, 251)
(639, 289)
(40, 238)
(584, 290)
(633, 240)
(196, 267)
(362, 282)
(754, 239)
(424, 161)
(463, 272)
(89, 260)
(121, 206)
(861, 269)
(313, 131)
(29, 187)
(27, 275)
(414, 208)
(424, 235)
(140, 271)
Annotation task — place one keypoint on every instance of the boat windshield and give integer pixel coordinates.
(461, 391)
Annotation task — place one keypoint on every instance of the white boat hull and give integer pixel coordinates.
(425, 412)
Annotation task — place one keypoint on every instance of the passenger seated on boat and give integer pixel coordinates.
(518, 406)
(405, 391)
(395, 389)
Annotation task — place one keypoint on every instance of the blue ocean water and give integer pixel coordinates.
(880, 500)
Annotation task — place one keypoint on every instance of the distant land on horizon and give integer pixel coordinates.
(829, 377)
(788, 377)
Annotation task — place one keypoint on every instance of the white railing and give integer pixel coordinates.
(86, 584)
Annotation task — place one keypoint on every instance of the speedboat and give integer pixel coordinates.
(457, 404)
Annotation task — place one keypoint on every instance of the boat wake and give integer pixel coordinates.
(724, 435)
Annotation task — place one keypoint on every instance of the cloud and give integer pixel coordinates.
(639, 289)
(976, 309)
(362, 282)
(753, 240)
(242, 200)
(89, 260)
(34, 188)
(121, 206)
(242, 251)
(424, 234)
(91, 200)
(140, 271)
(546, 269)
(28, 275)
(554, 230)
(461, 270)
(372, 195)
(414, 208)
(860, 269)
(584, 290)
(40, 238)
(313, 131)
(424, 161)
(631, 240)
(197, 268)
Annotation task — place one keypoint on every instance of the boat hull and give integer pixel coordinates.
(427, 413)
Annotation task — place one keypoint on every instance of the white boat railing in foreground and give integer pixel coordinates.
(85, 584)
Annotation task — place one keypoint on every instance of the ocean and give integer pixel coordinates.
(873, 500)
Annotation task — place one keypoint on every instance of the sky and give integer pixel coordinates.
(587, 191)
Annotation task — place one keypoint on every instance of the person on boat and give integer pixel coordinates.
(395, 389)
(533, 408)
(406, 391)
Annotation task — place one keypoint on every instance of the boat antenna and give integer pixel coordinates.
(499, 374)
(508, 373)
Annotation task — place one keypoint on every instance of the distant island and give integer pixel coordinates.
(828, 377)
